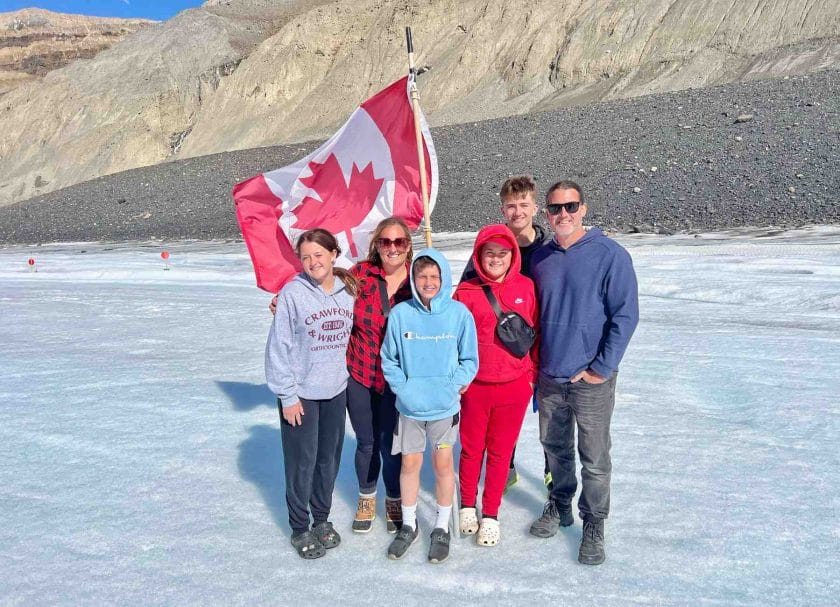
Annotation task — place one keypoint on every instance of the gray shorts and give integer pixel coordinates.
(410, 434)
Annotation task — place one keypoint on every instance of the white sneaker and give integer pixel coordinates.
(489, 533)
(467, 521)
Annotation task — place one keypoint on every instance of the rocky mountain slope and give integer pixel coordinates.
(243, 73)
(760, 153)
(33, 42)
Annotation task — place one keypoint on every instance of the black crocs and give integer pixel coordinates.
(326, 534)
(308, 546)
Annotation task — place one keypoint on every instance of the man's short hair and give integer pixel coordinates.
(565, 184)
(517, 186)
(424, 262)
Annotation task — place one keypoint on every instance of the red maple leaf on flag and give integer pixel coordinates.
(343, 206)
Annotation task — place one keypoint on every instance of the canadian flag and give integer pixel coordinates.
(367, 171)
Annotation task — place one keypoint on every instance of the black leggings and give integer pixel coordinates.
(374, 417)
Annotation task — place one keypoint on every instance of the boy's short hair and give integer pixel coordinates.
(517, 186)
(424, 262)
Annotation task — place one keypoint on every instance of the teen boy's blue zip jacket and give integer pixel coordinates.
(429, 355)
(589, 305)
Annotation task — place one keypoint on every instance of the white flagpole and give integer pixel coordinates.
(421, 157)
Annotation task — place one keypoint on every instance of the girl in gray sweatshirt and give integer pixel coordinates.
(305, 366)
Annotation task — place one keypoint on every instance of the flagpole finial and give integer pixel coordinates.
(409, 45)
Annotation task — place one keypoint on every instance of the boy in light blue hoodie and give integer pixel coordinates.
(429, 357)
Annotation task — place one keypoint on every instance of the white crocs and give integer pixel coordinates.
(489, 533)
(467, 521)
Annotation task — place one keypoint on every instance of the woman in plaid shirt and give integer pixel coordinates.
(383, 282)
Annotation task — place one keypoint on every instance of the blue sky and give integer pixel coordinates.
(148, 9)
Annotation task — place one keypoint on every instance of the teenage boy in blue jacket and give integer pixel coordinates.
(589, 309)
(429, 357)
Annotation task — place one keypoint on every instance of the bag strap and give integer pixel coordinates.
(383, 294)
(492, 299)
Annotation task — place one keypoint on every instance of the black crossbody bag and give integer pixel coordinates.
(516, 335)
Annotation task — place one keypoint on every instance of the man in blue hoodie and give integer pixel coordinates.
(589, 309)
(429, 357)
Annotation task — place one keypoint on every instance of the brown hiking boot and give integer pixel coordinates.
(365, 513)
(393, 514)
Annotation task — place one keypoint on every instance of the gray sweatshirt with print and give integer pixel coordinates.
(306, 349)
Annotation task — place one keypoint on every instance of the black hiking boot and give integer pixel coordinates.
(405, 537)
(592, 543)
(439, 548)
(553, 517)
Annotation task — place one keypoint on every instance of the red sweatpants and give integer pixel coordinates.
(491, 418)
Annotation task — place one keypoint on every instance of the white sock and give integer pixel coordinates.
(371, 494)
(410, 516)
(443, 514)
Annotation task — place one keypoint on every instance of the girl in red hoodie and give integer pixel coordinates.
(494, 406)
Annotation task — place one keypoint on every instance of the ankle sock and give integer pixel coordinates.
(410, 516)
(443, 514)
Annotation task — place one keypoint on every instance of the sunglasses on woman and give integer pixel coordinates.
(400, 243)
(571, 207)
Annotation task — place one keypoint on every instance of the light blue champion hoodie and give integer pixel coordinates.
(429, 355)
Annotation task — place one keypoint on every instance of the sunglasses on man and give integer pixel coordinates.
(555, 207)
(401, 244)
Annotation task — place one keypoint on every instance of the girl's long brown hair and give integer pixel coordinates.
(325, 239)
(373, 253)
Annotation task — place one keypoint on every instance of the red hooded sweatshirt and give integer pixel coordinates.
(515, 292)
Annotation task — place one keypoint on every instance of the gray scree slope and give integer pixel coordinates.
(668, 162)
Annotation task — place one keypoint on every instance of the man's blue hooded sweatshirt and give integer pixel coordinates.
(428, 355)
(589, 305)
